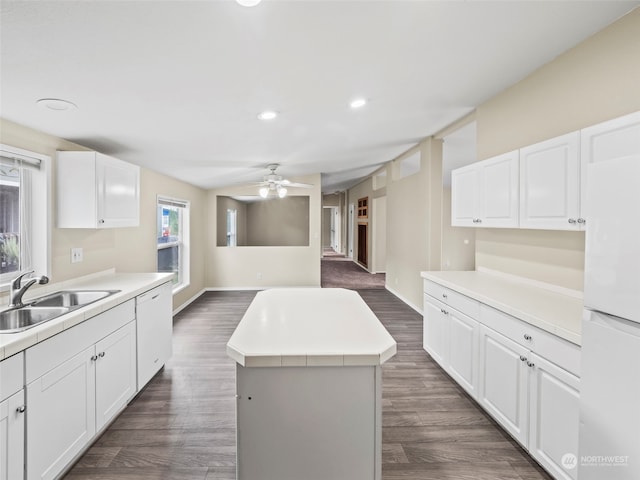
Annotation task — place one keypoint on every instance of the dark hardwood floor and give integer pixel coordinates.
(182, 426)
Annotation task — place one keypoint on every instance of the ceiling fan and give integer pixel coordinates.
(276, 184)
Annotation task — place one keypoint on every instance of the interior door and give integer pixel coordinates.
(351, 231)
(363, 244)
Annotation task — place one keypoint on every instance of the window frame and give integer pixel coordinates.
(40, 216)
(183, 244)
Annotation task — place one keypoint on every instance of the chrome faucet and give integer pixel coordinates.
(17, 291)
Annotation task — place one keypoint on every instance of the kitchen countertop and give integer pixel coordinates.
(310, 327)
(549, 310)
(129, 284)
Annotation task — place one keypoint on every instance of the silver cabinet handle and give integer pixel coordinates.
(572, 220)
(101, 220)
(444, 311)
(523, 358)
(527, 337)
(101, 354)
(477, 220)
(444, 295)
(582, 220)
(21, 409)
(94, 358)
(530, 364)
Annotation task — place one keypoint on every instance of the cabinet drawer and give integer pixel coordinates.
(52, 352)
(460, 302)
(555, 349)
(11, 375)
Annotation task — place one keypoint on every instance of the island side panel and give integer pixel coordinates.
(315, 423)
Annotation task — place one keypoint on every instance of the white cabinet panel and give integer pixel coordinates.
(61, 411)
(115, 373)
(550, 184)
(97, 191)
(554, 420)
(463, 351)
(503, 385)
(485, 194)
(435, 330)
(12, 437)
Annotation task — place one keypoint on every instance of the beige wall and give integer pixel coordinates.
(597, 80)
(278, 222)
(458, 243)
(223, 204)
(125, 249)
(262, 267)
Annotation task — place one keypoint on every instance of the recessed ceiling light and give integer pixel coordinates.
(248, 3)
(358, 102)
(268, 115)
(56, 104)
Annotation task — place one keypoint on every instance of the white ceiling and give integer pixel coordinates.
(175, 86)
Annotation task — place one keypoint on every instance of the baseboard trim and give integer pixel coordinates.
(419, 310)
(189, 302)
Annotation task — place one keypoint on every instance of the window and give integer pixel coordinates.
(24, 213)
(363, 207)
(232, 228)
(173, 240)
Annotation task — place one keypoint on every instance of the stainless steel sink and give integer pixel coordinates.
(47, 308)
(72, 298)
(20, 319)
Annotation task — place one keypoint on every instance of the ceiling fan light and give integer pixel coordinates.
(264, 192)
(248, 3)
(282, 192)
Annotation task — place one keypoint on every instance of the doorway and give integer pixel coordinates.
(350, 231)
(363, 243)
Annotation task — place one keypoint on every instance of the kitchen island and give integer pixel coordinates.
(309, 387)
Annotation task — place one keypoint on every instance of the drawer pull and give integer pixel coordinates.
(523, 358)
(94, 358)
(444, 311)
(21, 409)
(101, 354)
(527, 337)
(531, 364)
(444, 295)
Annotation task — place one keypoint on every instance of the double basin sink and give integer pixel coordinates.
(47, 308)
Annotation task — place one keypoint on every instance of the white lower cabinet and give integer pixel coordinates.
(503, 385)
(524, 377)
(554, 409)
(77, 382)
(12, 418)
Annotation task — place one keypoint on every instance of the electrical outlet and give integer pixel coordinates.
(76, 255)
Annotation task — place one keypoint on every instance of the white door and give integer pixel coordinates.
(612, 262)
(465, 196)
(12, 437)
(115, 373)
(61, 415)
(118, 192)
(351, 227)
(464, 334)
(550, 184)
(435, 330)
(503, 389)
(554, 418)
(499, 191)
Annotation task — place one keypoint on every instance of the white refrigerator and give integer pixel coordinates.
(609, 441)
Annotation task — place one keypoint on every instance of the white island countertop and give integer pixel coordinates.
(310, 327)
(551, 311)
(129, 284)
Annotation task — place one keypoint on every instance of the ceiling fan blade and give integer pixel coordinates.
(298, 185)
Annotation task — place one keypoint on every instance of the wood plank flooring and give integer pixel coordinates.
(182, 426)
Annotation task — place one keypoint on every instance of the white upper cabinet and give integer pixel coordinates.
(97, 191)
(550, 184)
(485, 194)
(615, 138)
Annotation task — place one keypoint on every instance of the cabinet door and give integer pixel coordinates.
(465, 196)
(118, 192)
(61, 415)
(463, 350)
(609, 140)
(115, 373)
(550, 184)
(499, 191)
(554, 417)
(12, 437)
(503, 389)
(435, 330)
